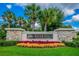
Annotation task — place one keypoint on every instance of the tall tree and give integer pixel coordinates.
(32, 12)
(51, 17)
(57, 18)
(44, 17)
(66, 26)
(26, 25)
(20, 21)
(8, 17)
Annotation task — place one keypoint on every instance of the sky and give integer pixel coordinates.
(71, 11)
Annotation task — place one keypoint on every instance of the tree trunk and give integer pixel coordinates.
(9, 25)
(45, 27)
(33, 26)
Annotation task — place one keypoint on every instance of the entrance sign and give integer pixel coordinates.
(61, 34)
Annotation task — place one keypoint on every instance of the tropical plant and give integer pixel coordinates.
(2, 34)
(20, 21)
(32, 12)
(51, 17)
(44, 18)
(74, 43)
(66, 26)
(8, 17)
(26, 25)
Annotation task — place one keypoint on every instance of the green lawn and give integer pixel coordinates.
(20, 51)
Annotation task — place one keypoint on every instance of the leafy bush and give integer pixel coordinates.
(77, 33)
(74, 43)
(70, 44)
(7, 43)
(2, 34)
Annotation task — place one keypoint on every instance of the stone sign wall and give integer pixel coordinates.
(66, 35)
(13, 35)
(63, 34)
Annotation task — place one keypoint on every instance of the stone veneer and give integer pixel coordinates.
(66, 35)
(14, 33)
(61, 34)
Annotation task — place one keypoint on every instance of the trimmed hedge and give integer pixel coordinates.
(70, 44)
(7, 43)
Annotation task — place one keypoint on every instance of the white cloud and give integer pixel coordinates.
(1, 20)
(9, 6)
(69, 12)
(40, 4)
(76, 28)
(21, 4)
(75, 17)
(37, 25)
(69, 21)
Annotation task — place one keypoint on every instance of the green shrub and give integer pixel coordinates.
(77, 33)
(7, 43)
(74, 43)
(70, 44)
(2, 34)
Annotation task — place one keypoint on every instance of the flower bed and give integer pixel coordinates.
(40, 45)
(38, 42)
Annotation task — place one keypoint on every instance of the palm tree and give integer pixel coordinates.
(23, 23)
(32, 12)
(45, 18)
(8, 17)
(57, 18)
(15, 20)
(26, 25)
(20, 21)
(50, 16)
